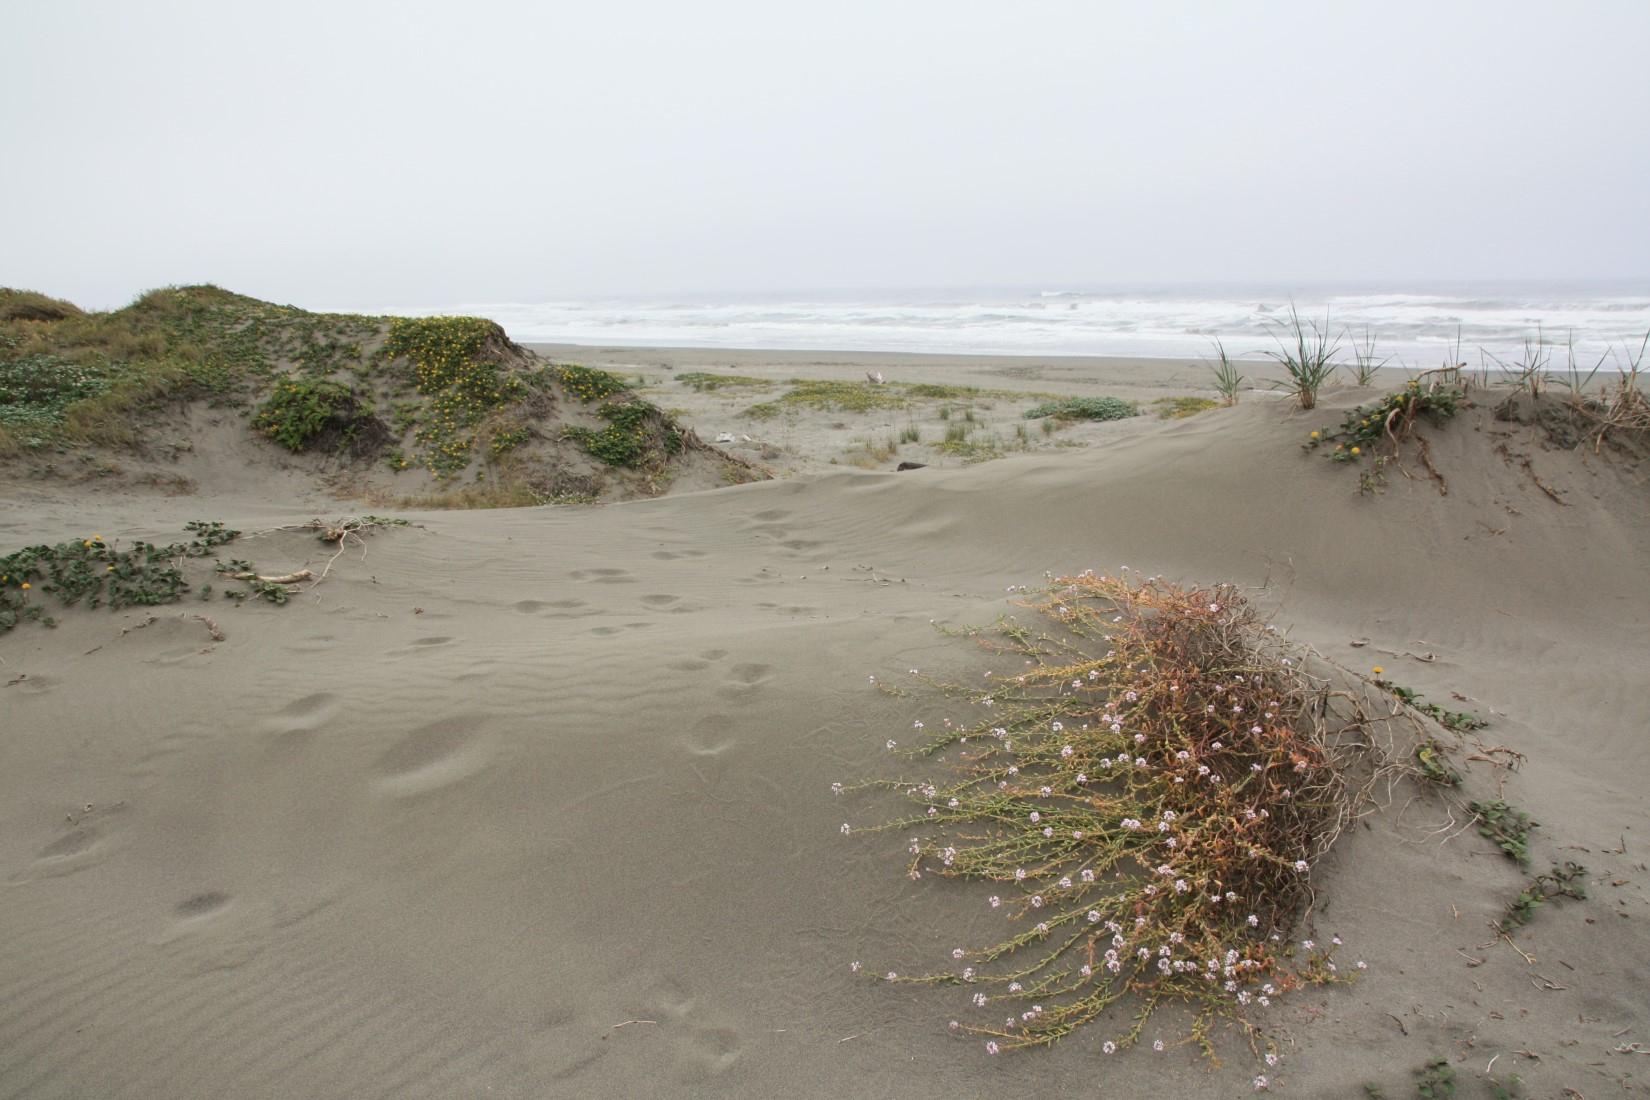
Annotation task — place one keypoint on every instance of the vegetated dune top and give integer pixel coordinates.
(536, 802)
(197, 388)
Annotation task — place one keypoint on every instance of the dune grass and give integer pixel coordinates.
(1307, 353)
(1145, 791)
(1227, 378)
(31, 305)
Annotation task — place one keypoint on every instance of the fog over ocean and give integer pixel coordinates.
(1412, 327)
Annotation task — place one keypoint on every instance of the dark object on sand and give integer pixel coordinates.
(911, 466)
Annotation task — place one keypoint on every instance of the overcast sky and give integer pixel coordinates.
(383, 154)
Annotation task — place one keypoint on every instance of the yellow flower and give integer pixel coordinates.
(1377, 670)
(1355, 451)
(25, 586)
(1315, 435)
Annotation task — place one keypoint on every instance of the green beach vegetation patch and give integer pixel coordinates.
(97, 572)
(1178, 408)
(705, 382)
(1084, 408)
(833, 396)
(36, 390)
(1144, 794)
(588, 384)
(1381, 431)
(449, 396)
(636, 432)
(304, 415)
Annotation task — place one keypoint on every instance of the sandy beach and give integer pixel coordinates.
(538, 802)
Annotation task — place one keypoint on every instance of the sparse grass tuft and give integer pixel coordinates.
(1227, 378)
(1364, 361)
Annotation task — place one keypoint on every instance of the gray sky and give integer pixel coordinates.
(409, 153)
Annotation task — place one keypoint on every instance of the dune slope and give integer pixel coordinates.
(536, 802)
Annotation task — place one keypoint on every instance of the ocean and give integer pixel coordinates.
(1602, 323)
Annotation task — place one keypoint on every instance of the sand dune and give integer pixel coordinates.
(537, 802)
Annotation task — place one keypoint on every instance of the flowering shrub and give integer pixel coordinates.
(1147, 796)
(462, 380)
(587, 383)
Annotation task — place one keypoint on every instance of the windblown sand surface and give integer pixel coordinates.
(537, 802)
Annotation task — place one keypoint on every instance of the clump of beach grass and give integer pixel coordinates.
(1146, 794)
(1364, 361)
(1227, 378)
(1307, 353)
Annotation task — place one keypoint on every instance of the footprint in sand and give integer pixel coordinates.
(673, 555)
(202, 905)
(609, 631)
(708, 747)
(744, 680)
(293, 726)
(432, 757)
(710, 1051)
(30, 683)
(703, 661)
(602, 576)
(570, 609)
(82, 845)
(209, 933)
(421, 645)
(702, 1050)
